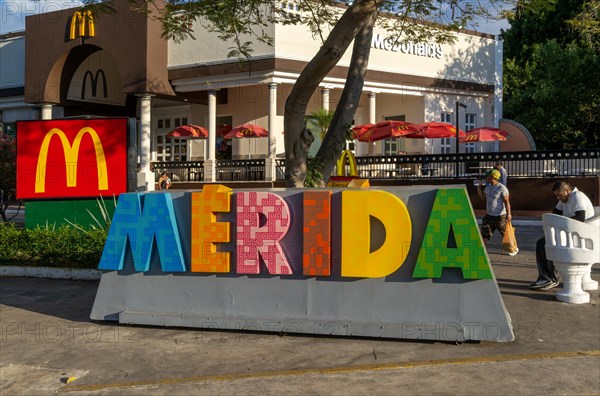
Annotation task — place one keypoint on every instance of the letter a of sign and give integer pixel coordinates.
(451, 208)
(253, 238)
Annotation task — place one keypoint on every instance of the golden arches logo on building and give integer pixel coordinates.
(79, 22)
(71, 153)
(342, 162)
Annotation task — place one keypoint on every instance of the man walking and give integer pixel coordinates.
(497, 205)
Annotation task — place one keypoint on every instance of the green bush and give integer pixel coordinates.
(64, 246)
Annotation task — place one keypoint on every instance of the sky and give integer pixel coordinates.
(13, 13)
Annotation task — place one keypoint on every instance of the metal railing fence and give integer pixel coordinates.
(241, 170)
(551, 163)
(556, 163)
(180, 171)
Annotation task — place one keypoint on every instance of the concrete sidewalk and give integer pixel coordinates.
(46, 337)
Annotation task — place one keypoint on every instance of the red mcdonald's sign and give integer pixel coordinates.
(71, 158)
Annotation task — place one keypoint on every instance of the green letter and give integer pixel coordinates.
(452, 211)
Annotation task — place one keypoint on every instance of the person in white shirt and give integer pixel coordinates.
(574, 204)
(497, 205)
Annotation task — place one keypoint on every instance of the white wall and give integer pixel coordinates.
(471, 58)
(12, 62)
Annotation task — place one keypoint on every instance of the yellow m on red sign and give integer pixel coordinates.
(71, 153)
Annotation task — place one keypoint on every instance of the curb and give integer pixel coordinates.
(533, 223)
(50, 273)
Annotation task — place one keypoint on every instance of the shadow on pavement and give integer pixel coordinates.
(66, 299)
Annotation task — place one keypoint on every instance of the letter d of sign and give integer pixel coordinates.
(357, 207)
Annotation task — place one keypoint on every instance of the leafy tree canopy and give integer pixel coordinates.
(551, 74)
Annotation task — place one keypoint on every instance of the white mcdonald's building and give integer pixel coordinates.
(118, 65)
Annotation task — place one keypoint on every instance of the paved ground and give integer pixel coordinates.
(46, 338)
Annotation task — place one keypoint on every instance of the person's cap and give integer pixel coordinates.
(494, 174)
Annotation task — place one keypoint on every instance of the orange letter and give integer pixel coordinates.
(316, 257)
(206, 230)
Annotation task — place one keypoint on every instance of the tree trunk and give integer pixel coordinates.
(335, 139)
(297, 138)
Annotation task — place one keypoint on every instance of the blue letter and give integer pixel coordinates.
(144, 219)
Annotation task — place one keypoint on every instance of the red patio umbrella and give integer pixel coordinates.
(222, 130)
(388, 129)
(247, 130)
(188, 131)
(358, 130)
(484, 134)
(435, 130)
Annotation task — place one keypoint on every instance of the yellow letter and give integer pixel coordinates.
(357, 207)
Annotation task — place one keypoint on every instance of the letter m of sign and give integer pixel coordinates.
(71, 153)
(154, 225)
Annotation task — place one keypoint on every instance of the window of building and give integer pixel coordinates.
(168, 149)
(395, 145)
(470, 123)
(446, 143)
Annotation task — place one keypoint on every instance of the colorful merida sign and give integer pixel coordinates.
(402, 262)
(262, 221)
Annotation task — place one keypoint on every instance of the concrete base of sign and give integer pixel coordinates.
(374, 309)
(400, 305)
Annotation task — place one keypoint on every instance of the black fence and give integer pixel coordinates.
(241, 170)
(559, 163)
(180, 171)
(556, 163)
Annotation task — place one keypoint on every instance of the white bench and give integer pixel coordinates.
(574, 247)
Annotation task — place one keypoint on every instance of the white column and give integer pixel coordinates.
(46, 111)
(212, 124)
(210, 163)
(270, 164)
(372, 107)
(145, 176)
(499, 49)
(325, 93)
(272, 120)
(372, 115)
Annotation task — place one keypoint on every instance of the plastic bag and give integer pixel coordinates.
(509, 242)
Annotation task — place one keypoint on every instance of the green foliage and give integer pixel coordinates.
(314, 178)
(51, 247)
(321, 119)
(551, 76)
(587, 23)
(8, 171)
